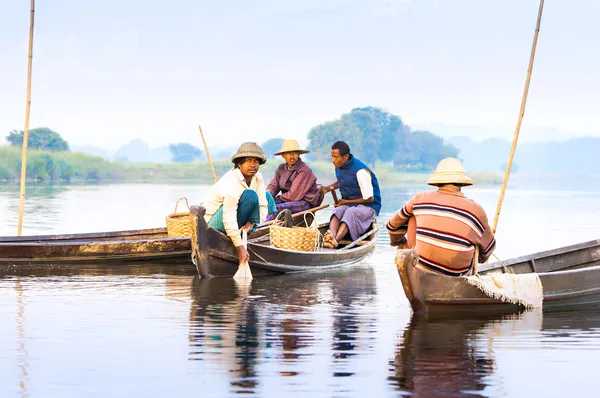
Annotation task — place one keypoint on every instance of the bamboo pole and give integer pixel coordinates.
(26, 129)
(521, 114)
(208, 154)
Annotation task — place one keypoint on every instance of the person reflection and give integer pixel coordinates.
(224, 330)
(243, 373)
(297, 320)
(351, 292)
(438, 357)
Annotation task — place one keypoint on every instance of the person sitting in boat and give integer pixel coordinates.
(361, 198)
(238, 200)
(444, 226)
(295, 180)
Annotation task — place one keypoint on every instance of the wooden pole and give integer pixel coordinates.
(26, 130)
(208, 154)
(521, 114)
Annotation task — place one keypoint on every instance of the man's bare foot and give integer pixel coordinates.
(333, 242)
(327, 244)
(328, 236)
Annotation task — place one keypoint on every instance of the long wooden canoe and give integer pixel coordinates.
(216, 255)
(142, 245)
(570, 279)
(122, 246)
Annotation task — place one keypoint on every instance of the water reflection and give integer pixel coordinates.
(348, 293)
(450, 356)
(22, 354)
(275, 325)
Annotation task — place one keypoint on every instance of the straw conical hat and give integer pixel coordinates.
(450, 171)
(250, 150)
(291, 146)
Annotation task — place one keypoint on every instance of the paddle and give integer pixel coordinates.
(243, 271)
(301, 213)
(208, 155)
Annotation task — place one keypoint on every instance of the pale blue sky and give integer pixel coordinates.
(109, 71)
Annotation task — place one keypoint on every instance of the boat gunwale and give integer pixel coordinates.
(372, 242)
(71, 237)
(536, 256)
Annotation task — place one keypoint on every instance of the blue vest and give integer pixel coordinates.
(349, 188)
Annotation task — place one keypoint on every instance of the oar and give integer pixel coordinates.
(357, 241)
(26, 129)
(243, 271)
(301, 213)
(521, 114)
(208, 155)
(475, 260)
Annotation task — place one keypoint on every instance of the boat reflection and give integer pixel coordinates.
(274, 326)
(449, 356)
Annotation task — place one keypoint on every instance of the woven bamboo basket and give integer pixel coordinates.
(305, 239)
(178, 224)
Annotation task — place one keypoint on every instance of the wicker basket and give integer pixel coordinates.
(178, 224)
(305, 239)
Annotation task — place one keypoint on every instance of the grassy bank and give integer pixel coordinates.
(48, 167)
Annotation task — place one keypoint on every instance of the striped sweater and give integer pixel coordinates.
(444, 227)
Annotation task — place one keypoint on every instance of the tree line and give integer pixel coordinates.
(376, 135)
(373, 134)
(45, 139)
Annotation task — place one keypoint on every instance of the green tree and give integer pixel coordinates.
(39, 138)
(184, 152)
(5, 173)
(324, 135)
(270, 146)
(381, 133)
(374, 134)
(431, 149)
(406, 153)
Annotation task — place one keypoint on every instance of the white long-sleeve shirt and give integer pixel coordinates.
(226, 192)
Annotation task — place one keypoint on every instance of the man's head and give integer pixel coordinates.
(290, 152)
(450, 171)
(248, 159)
(340, 154)
(248, 166)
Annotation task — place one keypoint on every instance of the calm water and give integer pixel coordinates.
(102, 333)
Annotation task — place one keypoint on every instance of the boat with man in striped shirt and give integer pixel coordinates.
(441, 237)
(444, 226)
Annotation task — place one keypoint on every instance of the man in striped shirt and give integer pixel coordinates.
(444, 226)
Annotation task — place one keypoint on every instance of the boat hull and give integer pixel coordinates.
(570, 279)
(217, 257)
(119, 247)
(146, 245)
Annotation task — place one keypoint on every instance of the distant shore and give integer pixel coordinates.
(73, 167)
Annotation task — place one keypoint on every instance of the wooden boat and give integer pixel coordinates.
(142, 245)
(570, 279)
(216, 255)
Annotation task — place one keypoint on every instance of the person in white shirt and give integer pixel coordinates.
(238, 200)
(361, 198)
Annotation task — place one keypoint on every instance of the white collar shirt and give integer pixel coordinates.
(226, 192)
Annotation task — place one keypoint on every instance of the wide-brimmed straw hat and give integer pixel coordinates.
(250, 150)
(450, 171)
(291, 146)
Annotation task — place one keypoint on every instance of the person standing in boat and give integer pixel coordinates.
(238, 200)
(295, 180)
(361, 198)
(444, 226)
